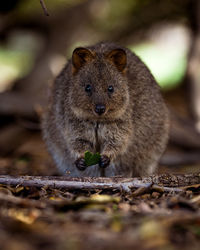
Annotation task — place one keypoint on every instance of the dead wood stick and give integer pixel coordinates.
(44, 8)
(115, 183)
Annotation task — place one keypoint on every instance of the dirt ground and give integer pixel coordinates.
(46, 218)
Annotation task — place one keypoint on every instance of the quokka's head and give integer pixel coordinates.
(99, 89)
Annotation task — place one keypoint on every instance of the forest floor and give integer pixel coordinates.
(48, 218)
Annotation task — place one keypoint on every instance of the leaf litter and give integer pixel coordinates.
(49, 218)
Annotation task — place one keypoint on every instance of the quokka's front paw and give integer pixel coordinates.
(104, 161)
(80, 164)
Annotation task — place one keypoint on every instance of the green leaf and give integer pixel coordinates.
(91, 159)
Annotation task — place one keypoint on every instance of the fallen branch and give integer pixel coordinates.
(115, 183)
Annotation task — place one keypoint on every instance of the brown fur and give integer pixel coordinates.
(132, 132)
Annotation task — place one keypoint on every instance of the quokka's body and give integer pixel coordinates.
(106, 100)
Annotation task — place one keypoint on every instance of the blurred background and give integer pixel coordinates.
(34, 47)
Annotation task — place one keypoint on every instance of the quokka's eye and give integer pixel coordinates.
(88, 88)
(110, 89)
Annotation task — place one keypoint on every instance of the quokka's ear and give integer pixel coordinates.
(80, 57)
(118, 58)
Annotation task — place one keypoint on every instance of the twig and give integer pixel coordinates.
(83, 183)
(44, 8)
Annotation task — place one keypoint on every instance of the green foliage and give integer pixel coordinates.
(13, 64)
(91, 159)
(167, 66)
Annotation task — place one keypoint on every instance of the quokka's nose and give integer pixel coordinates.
(100, 109)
